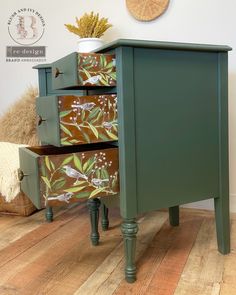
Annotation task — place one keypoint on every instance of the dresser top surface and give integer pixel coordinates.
(163, 45)
(154, 44)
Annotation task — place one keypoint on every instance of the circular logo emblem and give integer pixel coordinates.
(26, 26)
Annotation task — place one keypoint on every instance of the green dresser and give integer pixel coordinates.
(172, 129)
(173, 132)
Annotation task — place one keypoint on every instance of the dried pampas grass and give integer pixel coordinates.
(18, 123)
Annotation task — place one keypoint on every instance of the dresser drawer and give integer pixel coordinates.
(84, 69)
(45, 82)
(56, 176)
(73, 120)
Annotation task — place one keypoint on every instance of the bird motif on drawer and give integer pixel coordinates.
(98, 181)
(107, 125)
(71, 172)
(92, 80)
(63, 197)
(85, 106)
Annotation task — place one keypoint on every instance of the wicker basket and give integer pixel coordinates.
(21, 205)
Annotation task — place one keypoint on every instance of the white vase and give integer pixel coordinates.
(89, 44)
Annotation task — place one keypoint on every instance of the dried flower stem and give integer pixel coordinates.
(89, 26)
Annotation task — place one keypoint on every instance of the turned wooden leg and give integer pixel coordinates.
(222, 224)
(174, 215)
(105, 220)
(129, 230)
(93, 206)
(49, 214)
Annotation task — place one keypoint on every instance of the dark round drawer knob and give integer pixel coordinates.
(57, 72)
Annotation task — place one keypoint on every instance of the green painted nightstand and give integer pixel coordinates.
(172, 131)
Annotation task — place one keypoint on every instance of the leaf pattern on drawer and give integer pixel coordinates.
(96, 69)
(80, 175)
(88, 119)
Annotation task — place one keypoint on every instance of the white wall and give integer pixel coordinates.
(196, 21)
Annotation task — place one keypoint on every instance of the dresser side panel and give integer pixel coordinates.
(176, 132)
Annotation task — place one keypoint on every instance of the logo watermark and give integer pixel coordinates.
(26, 27)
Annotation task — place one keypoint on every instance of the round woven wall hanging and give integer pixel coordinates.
(146, 10)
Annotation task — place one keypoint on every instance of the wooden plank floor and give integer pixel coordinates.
(57, 258)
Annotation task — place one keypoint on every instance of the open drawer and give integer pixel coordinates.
(73, 120)
(84, 69)
(45, 82)
(55, 176)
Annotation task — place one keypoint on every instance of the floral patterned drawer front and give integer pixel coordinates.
(84, 70)
(69, 177)
(96, 69)
(74, 120)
